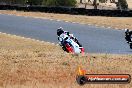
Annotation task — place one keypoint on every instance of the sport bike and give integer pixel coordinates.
(71, 46)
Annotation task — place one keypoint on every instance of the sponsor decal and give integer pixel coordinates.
(83, 78)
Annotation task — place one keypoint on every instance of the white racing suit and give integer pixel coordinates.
(66, 35)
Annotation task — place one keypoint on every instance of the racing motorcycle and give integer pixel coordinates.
(70, 46)
(128, 37)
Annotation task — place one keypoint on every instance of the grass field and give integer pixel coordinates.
(114, 22)
(28, 63)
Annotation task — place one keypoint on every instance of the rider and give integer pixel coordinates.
(62, 35)
(128, 34)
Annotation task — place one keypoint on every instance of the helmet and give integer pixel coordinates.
(126, 30)
(60, 31)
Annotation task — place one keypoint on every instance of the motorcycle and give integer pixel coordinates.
(128, 37)
(71, 46)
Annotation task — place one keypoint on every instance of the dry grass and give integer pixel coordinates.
(114, 22)
(26, 63)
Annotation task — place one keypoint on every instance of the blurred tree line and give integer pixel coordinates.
(121, 4)
(41, 2)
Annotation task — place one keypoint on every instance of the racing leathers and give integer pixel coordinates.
(64, 36)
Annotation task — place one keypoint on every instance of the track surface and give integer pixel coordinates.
(94, 39)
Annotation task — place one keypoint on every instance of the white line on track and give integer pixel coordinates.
(66, 21)
(58, 20)
(28, 38)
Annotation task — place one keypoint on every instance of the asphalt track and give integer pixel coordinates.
(94, 39)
